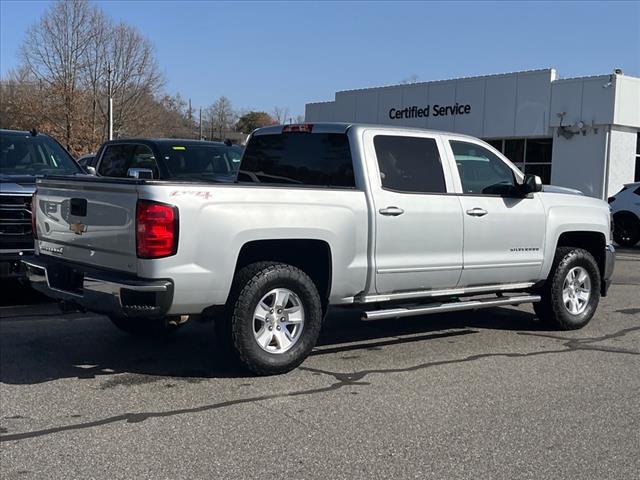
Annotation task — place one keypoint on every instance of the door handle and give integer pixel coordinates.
(477, 212)
(391, 211)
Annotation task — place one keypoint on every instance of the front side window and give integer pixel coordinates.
(315, 159)
(481, 171)
(409, 164)
(34, 155)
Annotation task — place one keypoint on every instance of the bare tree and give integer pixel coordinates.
(54, 52)
(280, 114)
(221, 117)
(135, 77)
(299, 119)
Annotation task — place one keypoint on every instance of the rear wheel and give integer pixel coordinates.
(273, 317)
(571, 294)
(147, 327)
(626, 230)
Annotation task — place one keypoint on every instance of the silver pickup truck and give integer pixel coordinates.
(392, 221)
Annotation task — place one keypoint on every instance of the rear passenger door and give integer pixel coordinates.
(418, 226)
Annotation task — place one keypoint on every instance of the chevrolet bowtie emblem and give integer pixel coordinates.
(78, 228)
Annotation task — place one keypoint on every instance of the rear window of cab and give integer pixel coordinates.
(305, 159)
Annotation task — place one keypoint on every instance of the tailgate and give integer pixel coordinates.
(90, 221)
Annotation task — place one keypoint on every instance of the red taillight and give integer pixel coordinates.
(299, 127)
(34, 212)
(156, 229)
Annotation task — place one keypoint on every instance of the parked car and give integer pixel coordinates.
(167, 159)
(85, 160)
(386, 220)
(24, 156)
(625, 206)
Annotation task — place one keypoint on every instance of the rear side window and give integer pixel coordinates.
(316, 159)
(115, 160)
(409, 164)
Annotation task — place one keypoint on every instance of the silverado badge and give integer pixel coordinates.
(78, 228)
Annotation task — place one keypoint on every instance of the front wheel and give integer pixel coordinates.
(571, 294)
(273, 317)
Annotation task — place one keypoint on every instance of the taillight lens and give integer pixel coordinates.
(34, 212)
(298, 127)
(156, 229)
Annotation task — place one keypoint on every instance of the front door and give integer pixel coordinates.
(503, 233)
(418, 227)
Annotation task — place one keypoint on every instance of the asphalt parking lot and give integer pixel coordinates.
(487, 394)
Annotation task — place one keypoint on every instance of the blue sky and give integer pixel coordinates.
(283, 53)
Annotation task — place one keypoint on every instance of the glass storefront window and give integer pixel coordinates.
(514, 150)
(497, 144)
(533, 155)
(539, 150)
(637, 175)
(543, 170)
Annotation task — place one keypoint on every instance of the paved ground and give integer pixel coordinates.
(473, 395)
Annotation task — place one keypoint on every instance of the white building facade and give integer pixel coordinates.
(577, 132)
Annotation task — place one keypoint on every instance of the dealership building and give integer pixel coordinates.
(574, 132)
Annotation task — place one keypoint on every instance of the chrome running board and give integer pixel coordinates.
(448, 307)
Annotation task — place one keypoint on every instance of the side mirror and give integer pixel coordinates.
(91, 170)
(144, 173)
(531, 184)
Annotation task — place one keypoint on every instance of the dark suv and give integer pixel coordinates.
(167, 159)
(23, 157)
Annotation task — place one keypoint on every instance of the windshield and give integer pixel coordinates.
(214, 162)
(29, 155)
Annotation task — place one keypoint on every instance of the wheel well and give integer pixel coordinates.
(626, 214)
(593, 242)
(311, 256)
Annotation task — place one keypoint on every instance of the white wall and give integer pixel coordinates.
(578, 162)
(506, 105)
(627, 111)
(585, 99)
(622, 158)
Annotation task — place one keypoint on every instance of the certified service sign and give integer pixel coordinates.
(429, 111)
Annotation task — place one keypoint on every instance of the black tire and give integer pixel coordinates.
(626, 230)
(250, 285)
(146, 327)
(551, 310)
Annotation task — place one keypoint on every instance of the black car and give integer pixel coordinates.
(24, 156)
(167, 159)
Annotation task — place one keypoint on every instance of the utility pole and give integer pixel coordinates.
(200, 123)
(110, 94)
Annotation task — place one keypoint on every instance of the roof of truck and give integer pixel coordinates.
(342, 127)
(167, 141)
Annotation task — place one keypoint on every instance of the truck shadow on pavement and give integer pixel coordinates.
(79, 346)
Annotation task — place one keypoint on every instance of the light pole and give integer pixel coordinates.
(110, 94)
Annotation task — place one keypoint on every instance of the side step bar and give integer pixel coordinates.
(448, 307)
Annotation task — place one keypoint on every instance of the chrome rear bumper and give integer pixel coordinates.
(97, 290)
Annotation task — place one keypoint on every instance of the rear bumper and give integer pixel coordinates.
(99, 290)
(11, 262)
(609, 265)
